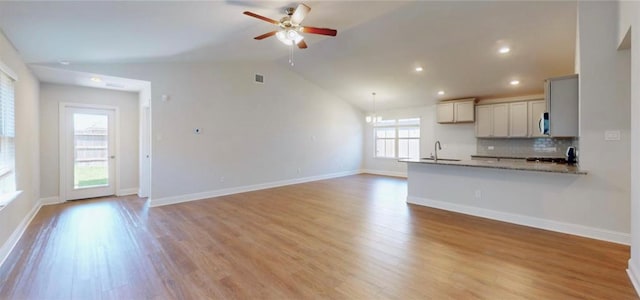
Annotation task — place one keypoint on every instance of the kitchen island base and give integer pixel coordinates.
(551, 201)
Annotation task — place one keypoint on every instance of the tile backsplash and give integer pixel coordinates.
(539, 147)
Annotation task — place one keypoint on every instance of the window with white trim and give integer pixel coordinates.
(7, 135)
(397, 138)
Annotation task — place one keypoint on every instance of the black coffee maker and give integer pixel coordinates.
(571, 155)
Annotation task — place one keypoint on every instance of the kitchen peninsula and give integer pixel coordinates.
(510, 164)
(541, 195)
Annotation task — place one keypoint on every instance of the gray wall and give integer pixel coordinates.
(604, 105)
(252, 134)
(27, 148)
(51, 95)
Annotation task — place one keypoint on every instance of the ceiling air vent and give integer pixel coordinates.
(114, 85)
(259, 78)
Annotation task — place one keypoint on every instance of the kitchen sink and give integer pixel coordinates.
(440, 159)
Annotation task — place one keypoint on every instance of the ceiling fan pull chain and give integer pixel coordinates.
(291, 54)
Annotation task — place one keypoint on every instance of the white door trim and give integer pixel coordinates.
(62, 144)
(144, 163)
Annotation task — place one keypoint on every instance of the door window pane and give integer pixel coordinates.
(91, 152)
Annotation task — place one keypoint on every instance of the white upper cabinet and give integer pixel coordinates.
(464, 111)
(500, 120)
(561, 94)
(510, 119)
(445, 113)
(492, 120)
(456, 111)
(518, 119)
(484, 121)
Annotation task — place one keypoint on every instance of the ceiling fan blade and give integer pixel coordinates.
(257, 16)
(316, 30)
(266, 35)
(301, 12)
(302, 45)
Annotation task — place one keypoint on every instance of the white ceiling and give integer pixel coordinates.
(379, 43)
(94, 80)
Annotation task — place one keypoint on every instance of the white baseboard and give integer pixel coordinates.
(12, 241)
(634, 275)
(574, 229)
(50, 200)
(127, 192)
(385, 173)
(243, 189)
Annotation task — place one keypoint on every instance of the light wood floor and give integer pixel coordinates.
(352, 237)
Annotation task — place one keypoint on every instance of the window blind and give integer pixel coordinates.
(7, 134)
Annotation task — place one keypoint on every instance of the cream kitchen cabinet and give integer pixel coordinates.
(484, 120)
(492, 120)
(500, 120)
(456, 111)
(518, 119)
(445, 113)
(464, 111)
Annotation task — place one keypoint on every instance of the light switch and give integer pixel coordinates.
(612, 135)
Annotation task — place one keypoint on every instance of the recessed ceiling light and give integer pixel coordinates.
(419, 69)
(514, 82)
(64, 62)
(440, 93)
(96, 79)
(504, 50)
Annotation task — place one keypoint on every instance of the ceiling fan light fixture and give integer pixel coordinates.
(289, 37)
(504, 50)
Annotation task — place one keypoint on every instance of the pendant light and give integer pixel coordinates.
(373, 118)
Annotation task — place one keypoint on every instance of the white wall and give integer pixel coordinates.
(18, 212)
(51, 95)
(596, 204)
(604, 105)
(458, 140)
(629, 17)
(252, 133)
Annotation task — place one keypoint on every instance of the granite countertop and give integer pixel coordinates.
(512, 157)
(509, 165)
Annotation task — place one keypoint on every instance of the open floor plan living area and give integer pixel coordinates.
(319, 149)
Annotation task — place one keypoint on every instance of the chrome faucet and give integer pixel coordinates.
(436, 147)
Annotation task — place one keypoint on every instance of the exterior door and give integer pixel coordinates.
(89, 153)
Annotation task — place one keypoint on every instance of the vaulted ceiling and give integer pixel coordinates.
(378, 46)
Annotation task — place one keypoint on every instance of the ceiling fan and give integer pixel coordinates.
(290, 28)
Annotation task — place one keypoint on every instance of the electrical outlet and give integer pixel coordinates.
(490, 147)
(478, 194)
(222, 178)
(299, 170)
(612, 135)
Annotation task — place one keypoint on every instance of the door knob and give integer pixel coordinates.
(112, 156)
